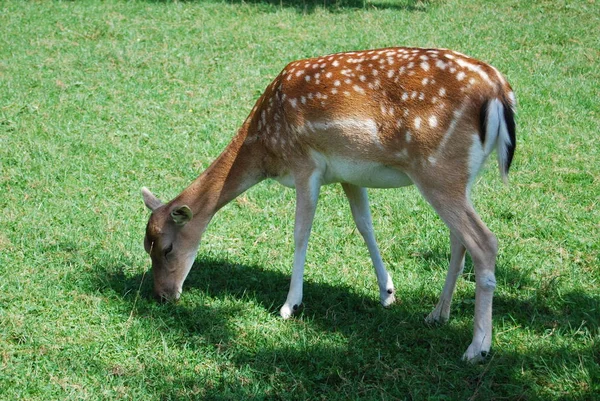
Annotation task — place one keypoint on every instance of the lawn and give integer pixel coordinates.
(100, 98)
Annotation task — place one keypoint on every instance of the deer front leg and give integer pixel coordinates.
(441, 313)
(359, 205)
(307, 193)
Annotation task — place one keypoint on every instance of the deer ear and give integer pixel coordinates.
(151, 201)
(182, 215)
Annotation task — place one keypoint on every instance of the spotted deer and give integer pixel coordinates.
(382, 118)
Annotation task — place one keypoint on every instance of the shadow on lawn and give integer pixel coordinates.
(332, 5)
(385, 354)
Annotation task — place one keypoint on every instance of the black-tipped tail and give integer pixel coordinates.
(511, 127)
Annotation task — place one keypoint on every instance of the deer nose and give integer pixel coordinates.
(163, 296)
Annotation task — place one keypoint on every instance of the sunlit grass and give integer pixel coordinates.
(98, 99)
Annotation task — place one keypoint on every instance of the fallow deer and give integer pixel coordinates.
(381, 118)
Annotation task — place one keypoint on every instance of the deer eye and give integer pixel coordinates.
(168, 250)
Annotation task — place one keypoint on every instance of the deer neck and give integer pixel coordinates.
(233, 172)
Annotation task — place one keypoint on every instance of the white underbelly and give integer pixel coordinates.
(363, 174)
(368, 174)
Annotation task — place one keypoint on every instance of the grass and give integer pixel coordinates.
(98, 99)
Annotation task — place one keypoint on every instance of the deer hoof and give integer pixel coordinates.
(388, 298)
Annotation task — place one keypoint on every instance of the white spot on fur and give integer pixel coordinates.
(425, 66)
(417, 122)
(359, 89)
(433, 121)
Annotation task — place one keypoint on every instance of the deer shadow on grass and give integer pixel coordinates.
(333, 307)
(330, 308)
(381, 353)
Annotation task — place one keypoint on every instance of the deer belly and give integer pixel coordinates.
(363, 173)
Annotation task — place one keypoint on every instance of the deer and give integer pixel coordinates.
(382, 118)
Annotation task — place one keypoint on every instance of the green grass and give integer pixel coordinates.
(98, 99)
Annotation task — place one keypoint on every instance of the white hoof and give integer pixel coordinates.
(287, 310)
(475, 354)
(388, 298)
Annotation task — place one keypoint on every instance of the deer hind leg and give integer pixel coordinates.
(359, 205)
(465, 225)
(441, 313)
(307, 194)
